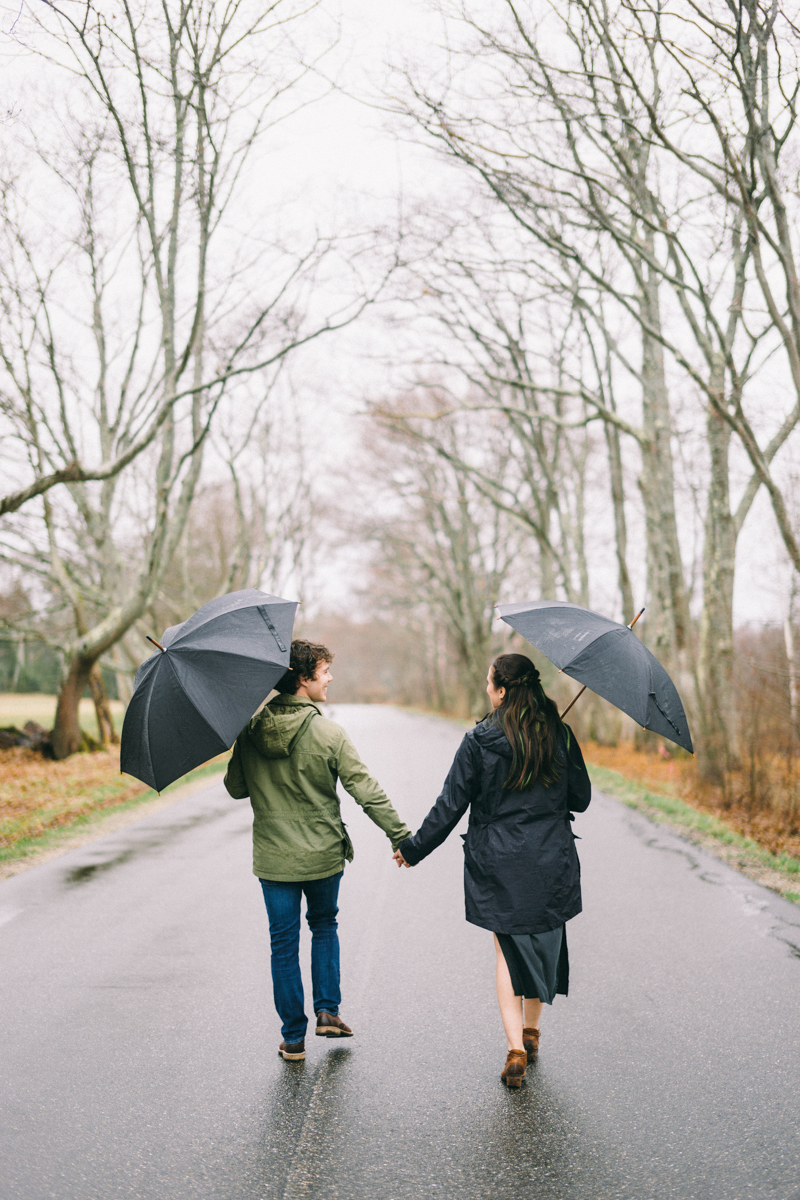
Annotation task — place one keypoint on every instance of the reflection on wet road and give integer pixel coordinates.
(139, 1042)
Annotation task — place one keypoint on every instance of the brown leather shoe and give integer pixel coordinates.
(513, 1073)
(328, 1026)
(530, 1040)
(294, 1052)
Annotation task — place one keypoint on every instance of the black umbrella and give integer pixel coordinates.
(211, 673)
(606, 657)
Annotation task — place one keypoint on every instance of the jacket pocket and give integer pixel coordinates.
(347, 845)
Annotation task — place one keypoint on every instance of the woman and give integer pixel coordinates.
(520, 771)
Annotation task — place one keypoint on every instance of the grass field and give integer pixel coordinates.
(18, 707)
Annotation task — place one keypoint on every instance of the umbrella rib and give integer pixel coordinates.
(667, 718)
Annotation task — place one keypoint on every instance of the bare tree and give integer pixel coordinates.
(519, 141)
(276, 509)
(640, 160)
(258, 524)
(133, 302)
(448, 548)
(516, 350)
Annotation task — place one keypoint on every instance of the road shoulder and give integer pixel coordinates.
(83, 830)
(780, 874)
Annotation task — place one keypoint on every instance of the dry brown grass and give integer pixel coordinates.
(37, 794)
(773, 826)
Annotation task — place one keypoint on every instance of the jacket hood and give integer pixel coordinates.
(491, 737)
(277, 727)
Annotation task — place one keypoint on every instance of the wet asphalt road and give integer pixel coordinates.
(138, 1039)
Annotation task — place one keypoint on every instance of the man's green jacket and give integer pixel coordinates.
(287, 760)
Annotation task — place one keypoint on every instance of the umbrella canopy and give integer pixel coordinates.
(608, 658)
(210, 674)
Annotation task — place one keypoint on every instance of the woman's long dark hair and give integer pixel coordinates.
(529, 720)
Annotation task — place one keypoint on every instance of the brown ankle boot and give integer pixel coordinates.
(513, 1073)
(328, 1026)
(530, 1040)
(293, 1052)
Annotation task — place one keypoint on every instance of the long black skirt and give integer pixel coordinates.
(538, 963)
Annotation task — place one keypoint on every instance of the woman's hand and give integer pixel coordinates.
(398, 858)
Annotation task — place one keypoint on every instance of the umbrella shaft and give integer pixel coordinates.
(569, 706)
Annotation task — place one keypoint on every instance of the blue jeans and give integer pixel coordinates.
(283, 901)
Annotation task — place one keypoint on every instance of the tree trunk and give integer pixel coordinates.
(716, 749)
(67, 736)
(105, 722)
(547, 563)
(620, 525)
(477, 654)
(666, 630)
(794, 690)
(123, 674)
(19, 661)
(547, 574)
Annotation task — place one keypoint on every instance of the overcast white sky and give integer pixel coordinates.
(337, 161)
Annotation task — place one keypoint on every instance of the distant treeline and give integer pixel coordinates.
(28, 665)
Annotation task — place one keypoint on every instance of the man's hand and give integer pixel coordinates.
(398, 858)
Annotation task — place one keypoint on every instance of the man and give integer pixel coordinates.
(287, 760)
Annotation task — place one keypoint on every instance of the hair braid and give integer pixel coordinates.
(529, 720)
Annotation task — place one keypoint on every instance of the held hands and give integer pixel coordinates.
(398, 858)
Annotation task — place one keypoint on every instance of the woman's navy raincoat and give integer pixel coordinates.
(521, 869)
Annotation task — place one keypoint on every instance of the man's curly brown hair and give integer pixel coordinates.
(304, 659)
